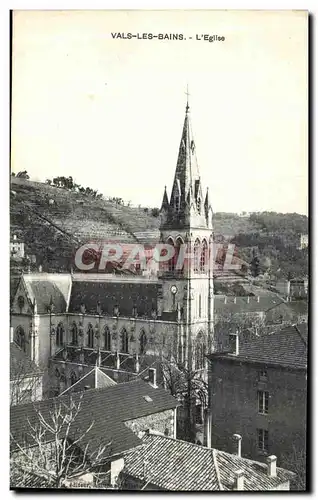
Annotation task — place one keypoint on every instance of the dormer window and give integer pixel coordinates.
(262, 375)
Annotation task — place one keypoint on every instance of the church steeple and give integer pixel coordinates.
(186, 207)
(165, 201)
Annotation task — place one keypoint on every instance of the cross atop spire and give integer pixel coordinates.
(187, 94)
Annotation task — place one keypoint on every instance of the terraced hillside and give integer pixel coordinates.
(53, 222)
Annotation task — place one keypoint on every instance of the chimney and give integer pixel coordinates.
(258, 298)
(234, 300)
(11, 334)
(271, 466)
(248, 299)
(238, 439)
(14, 236)
(234, 343)
(225, 299)
(238, 480)
(152, 373)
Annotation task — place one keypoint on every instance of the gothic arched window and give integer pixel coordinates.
(196, 256)
(199, 205)
(90, 336)
(179, 242)
(74, 338)
(107, 339)
(177, 202)
(143, 342)
(204, 257)
(73, 378)
(20, 338)
(59, 334)
(200, 351)
(171, 262)
(124, 341)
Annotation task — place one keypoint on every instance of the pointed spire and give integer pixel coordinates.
(185, 207)
(165, 201)
(207, 201)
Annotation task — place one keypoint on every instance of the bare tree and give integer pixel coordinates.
(25, 386)
(56, 452)
(187, 385)
(296, 462)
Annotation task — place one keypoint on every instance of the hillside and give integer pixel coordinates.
(54, 221)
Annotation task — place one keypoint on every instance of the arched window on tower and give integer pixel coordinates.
(73, 378)
(178, 265)
(171, 262)
(199, 205)
(60, 334)
(200, 352)
(204, 257)
(143, 342)
(177, 203)
(124, 341)
(74, 336)
(90, 336)
(107, 339)
(20, 338)
(196, 256)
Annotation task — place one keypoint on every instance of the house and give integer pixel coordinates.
(303, 241)
(16, 248)
(167, 464)
(25, 377)
(258, 389)
(114, 417)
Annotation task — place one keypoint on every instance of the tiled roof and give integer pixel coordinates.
(20, 364)
(244, 304)
(298, 306)
(176, 465)
(46, 292)
(108, 408)
(109, 294)
(286, 347)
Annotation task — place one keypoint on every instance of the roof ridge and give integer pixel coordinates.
(216, 466)
(300, 334)
(77, 382)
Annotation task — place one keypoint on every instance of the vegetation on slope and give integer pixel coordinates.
(53, 221)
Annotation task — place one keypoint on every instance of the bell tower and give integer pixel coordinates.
(187, 278)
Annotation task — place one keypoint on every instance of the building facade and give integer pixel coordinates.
(257, 389)
(124, 322)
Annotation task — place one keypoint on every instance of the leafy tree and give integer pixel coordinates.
(155, 212)
(23, 175)
(255, 265)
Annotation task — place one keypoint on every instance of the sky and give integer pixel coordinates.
(109, 112)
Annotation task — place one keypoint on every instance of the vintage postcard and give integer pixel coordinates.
(159, 250)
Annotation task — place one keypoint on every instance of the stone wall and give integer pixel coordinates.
(163, 422)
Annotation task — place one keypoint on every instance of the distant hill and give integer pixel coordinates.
(53, 222)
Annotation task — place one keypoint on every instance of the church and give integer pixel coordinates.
(125, 323)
